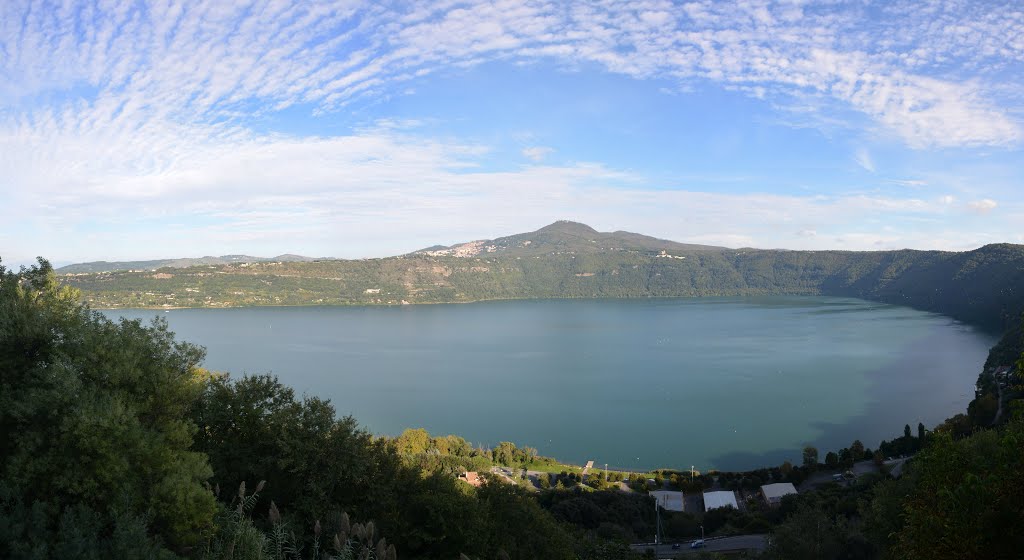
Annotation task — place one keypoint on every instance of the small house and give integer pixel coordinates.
(720, 499)
(773, 493)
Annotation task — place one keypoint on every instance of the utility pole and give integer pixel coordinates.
(657, 513)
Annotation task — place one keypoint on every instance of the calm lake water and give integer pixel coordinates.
(728, 383)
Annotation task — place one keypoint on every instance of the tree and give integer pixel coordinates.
(882, 511)
(959, 426)
(810, 457)
(920, 434)
(94, 431)
(831, 460)
(505, 454)
(982, 410)
(966, 502)
(519, 527)
(846, 458)
(857, 450)
(906, 431)
(808, 533)
(413, 441)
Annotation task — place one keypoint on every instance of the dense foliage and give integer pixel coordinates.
(95, 444)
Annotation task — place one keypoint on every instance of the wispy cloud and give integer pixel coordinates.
(537, 153)
(115, 115)
(983, 206)
(211, 61)
(863, 159)
(908, 182)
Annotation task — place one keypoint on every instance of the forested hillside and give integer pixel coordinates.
(565, 260)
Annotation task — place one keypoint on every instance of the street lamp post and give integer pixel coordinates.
(701, 532)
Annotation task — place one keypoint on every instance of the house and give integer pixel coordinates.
(668, 500)
(773, 493)
(720, 499)
(471, 477)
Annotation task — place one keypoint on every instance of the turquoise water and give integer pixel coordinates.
(727, 383)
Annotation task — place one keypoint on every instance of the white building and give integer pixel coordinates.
(668, 500)
(773, 493)
(720, 499)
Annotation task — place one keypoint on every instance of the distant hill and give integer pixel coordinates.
(571, 260)
(564, 236)
(104, 266)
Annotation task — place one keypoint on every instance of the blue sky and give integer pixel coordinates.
(163, 129)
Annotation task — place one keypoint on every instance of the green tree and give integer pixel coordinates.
(413, 441)
(857, 450)
(966, 502)
(505, 454)
(882, 513)
(94, 429)
(958, 426)
(982, 410)
(519, 527)
(810, 457)
(831, 460)
(807, 534)
(920, 433)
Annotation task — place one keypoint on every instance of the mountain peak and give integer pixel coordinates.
(568, 226)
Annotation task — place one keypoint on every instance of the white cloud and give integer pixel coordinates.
(125, 126)
(947, 199)
(908, 182)
(211, 60)
(377, 192)
(537, 153)
(863, 159)
(983, 206)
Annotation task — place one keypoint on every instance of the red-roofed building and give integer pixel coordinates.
(472, 477)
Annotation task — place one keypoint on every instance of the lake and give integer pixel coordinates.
(727, 383)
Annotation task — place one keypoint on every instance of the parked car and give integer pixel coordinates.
(699, 543)
(676, 546)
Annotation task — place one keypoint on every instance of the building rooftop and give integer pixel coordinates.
(719, 499)
(778, 490)
(668, 500)
(472, 477)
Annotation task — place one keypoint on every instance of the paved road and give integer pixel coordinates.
(896, 466)
(999, 410)
(742, 542)
(825, 476)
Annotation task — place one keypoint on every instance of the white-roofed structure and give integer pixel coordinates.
(773, 493)
(720, 499)
(668, 500)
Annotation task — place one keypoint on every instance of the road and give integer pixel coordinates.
(727, 544)
(999, 411)
(896, 466)
(825, 476)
